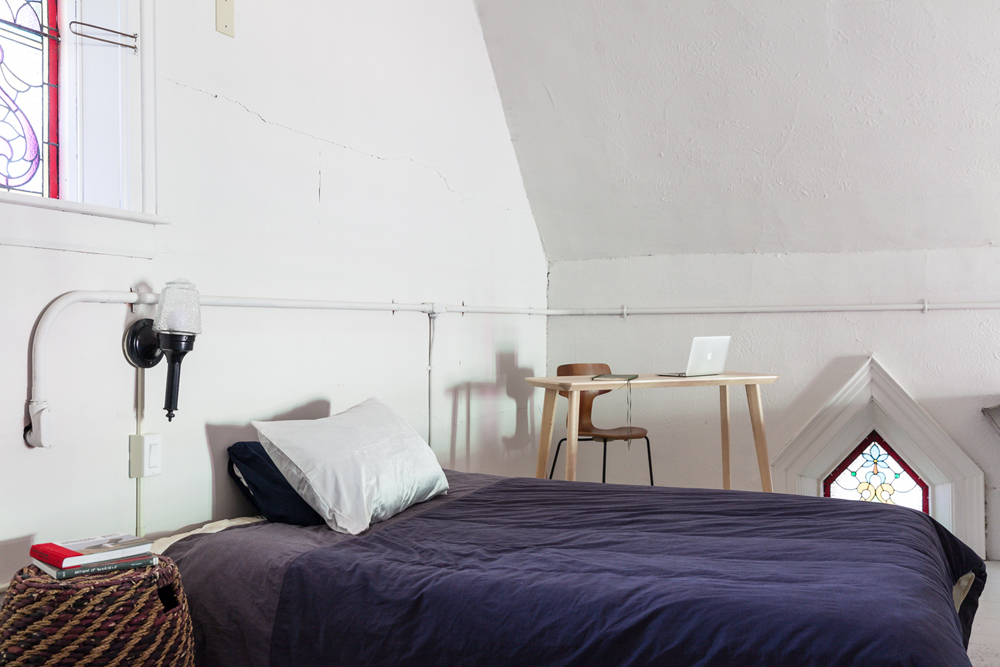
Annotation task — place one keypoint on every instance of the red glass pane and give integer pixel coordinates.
(52, 140)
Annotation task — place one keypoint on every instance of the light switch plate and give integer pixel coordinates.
(145, 453)
(225, 17)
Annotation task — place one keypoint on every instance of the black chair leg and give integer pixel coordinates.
(649, 455)
(604, 469)
(553, 471)
(604, 466)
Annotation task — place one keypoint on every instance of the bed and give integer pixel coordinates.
(512, 571)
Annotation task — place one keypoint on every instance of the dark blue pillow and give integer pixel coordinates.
(266, 488)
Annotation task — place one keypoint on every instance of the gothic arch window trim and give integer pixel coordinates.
(871, 399)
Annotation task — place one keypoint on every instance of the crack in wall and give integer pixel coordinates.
(345, 147)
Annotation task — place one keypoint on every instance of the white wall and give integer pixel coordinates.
(946, 360)
(767, 126)
(340, 151)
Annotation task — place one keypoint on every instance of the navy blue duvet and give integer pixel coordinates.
(537, 572)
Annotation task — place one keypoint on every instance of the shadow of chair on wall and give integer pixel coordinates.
(510, 382)
(227, 501)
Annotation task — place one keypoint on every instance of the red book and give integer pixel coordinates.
(90, 550)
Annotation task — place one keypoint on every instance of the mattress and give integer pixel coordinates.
(510, 571)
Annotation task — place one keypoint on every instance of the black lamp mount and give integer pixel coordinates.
(144, 348)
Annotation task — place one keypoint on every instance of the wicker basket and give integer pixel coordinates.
(131, 618)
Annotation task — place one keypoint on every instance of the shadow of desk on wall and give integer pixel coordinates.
(574, 384)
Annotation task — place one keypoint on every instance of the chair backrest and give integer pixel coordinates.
(586, 397)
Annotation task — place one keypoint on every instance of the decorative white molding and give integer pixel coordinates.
(34, 222)
(872, 399)
(66, 206)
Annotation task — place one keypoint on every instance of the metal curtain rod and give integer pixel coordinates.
(135, 37)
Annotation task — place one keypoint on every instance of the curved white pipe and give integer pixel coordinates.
(41, 429)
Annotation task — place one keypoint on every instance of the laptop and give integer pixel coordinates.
(708, 357)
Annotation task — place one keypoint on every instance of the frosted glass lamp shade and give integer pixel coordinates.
(170, 334)
(179, 309)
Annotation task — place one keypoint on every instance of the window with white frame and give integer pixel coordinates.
(71, 102)
(101, 139)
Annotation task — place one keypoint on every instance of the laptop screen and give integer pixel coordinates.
(708, 355)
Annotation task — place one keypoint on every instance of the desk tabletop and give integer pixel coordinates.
(649, 380)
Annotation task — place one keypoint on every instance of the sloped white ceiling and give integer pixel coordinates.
(646, 127)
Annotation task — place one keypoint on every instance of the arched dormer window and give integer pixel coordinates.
(873, 472)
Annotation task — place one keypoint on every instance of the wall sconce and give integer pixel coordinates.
(171, 334)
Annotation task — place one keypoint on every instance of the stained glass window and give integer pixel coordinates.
(29, 73)
(875, 473)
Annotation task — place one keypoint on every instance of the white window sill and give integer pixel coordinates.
(82, 209)
(54, 224)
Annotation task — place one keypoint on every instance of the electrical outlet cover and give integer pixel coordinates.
(225, 17)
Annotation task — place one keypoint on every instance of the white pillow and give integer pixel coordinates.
(355, 468)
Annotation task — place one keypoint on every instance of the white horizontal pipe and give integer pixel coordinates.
(41, 433)
(247, 302)
(494, 310)
(750, 310)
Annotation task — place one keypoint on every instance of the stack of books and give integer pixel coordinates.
(91, 555)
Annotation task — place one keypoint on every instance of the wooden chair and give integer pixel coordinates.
(588, 432)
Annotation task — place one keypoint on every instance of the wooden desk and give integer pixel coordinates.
(574, 384)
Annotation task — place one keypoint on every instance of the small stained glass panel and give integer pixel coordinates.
(874, 473)
(26, 95)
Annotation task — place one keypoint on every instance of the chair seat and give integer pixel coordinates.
(587, 430)
(620, 433)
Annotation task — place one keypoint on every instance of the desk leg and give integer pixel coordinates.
(724, 412)
(548, 422)
(759, 439)
(572, 434)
